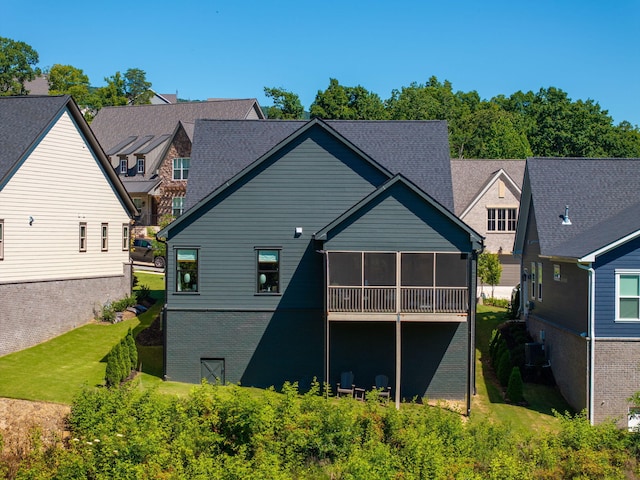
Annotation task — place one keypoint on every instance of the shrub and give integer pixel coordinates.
(112, 376)
(133, 350)
(143, 292)
(504, 368)
(515, 386)
(497, 302)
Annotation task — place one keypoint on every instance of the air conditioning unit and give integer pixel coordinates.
(534, 354)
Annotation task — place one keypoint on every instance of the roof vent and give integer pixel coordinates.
(565, 217)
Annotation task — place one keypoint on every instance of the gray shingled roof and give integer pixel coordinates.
(470, 176)
(22, 121)
(113, 124)
(417, 149)
(603, 196)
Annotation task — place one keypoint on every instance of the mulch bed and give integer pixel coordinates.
(150, 336)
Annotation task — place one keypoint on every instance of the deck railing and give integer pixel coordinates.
(412, 299)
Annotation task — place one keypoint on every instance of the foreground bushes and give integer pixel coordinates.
(236, 433)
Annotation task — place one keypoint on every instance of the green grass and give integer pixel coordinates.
(55, 371)
(489, 403)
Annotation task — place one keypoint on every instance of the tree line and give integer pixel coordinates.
(546, 123)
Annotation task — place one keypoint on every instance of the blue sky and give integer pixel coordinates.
(235, 48)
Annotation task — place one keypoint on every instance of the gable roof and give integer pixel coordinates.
(470, 178)
(222, 149)
(398, 179)
(603, 198)
(114, 124)
(24, 120)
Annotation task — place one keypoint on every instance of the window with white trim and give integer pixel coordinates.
(82, 237)
(140, 165)
(104, 237)
(125, 237)
(123, 165)
(1, 239)
(181, 168)
(177, 206)
(627, 295)
(501, 219)
(268, 270)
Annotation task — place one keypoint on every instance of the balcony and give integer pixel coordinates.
(443, 295)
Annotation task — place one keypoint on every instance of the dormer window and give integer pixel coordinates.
(181, 168)
(140, 166)
(123, 166)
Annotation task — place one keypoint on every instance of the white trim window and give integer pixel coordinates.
(502, 219)
(123, 165)
(181, 168)
(1, 239)
(125, 237)
(627, 295)
(177, 206)
(140, 165)
(104, 237)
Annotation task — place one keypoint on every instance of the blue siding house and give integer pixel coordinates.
(578, 236)
(312, 248)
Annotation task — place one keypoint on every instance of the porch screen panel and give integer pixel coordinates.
(345, 269)
(417, 269)
(451, 270)
(380, 269)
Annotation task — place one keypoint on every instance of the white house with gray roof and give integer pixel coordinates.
(64, 222)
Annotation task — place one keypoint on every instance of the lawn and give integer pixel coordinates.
(489, 403)
(57, 370)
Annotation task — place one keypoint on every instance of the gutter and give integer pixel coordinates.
(591, 337)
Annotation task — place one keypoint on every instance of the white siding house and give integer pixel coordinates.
(64, 219)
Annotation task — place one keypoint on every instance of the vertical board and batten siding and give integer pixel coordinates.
(59, 185)
(306, 185)
(399, 220)
(627, 257)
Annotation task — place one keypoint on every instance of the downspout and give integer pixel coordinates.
(591, 338)
(164, 309)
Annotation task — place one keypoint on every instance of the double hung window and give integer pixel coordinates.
(627, 295)
(501, 219)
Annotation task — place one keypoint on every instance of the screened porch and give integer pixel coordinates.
(387, 285)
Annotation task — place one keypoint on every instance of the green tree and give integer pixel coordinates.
(17, 66)
(136, 87)
(347, 103)
(489, 269)
(66, 79)
(286, 105)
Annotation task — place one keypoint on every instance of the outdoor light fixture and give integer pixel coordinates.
(298, 231)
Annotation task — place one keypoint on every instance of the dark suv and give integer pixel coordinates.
(142, 251)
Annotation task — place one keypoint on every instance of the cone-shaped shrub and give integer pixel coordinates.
(504, 368)
(133, 351)
(112, 376)
(515, 387)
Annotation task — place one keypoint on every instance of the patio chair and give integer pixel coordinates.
(382, 386)
(346, 385)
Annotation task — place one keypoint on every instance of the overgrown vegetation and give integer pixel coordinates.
(229, 432)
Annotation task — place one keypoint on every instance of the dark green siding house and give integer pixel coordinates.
(313, 248)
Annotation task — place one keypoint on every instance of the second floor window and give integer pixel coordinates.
(140, 164)
(177, 206)
(501, 219)
(268, 271)
(125, 236)
(123, 166)
(628, 295)
(181, 168)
